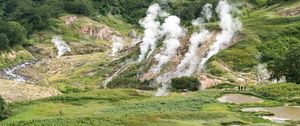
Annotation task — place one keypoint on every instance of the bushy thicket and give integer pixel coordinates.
(279, 90)
(36, 15)
(280, 46)
(11, 34)
(190, 83)
(131, 10)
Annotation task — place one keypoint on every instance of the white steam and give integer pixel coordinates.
(263, 73)
(173, 31)
(207, 11)
(60, 45)
(152, 30)
(117, 44)
(229, 25)
(189, 63)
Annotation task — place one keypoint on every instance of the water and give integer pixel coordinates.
(239, 99)
(11, 74)
(281, 114)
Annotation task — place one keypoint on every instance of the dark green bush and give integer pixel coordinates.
(190, 83)
(287, 66)
(12, 34)
(3, 109)
(83, 7)
(4, 42)
(124, 82)
(224, 86)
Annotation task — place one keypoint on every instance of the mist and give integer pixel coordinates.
(152, 30)
(60, 45)
(189, 63)
(173, 31)
(117, 44)
(229, 26)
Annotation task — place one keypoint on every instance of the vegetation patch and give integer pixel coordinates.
(281, 90)
(189, 83)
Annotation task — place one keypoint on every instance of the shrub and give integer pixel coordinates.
(124, 82)
(4, 42)
(281, 90)
(288, 66)
(83, 7)
(190, 83)
(15, 33)
(224, 86)
(3, 110)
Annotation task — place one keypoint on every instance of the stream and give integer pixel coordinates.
(11, 73)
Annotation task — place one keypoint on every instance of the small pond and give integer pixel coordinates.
(281, 114)
(239, 99)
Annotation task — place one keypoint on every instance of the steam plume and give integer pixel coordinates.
(173, 31)
(61, 46)
(229, 25)
(190, 61)
(207, 11)
(152, 30)
(117, 45)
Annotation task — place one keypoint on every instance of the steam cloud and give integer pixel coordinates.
(152, 30)
(61, 46)
(173, 31)
(117, 45)
(190, 61)
(229, 25)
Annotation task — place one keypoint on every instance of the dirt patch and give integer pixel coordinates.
(290, 11)
(12, 91)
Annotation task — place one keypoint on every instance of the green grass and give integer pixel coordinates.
(8, 59)
(262, 25)
(279, 91)
(116, 23)
(126, 107)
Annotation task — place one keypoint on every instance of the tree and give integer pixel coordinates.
(4, 42)
(37, 18)
(83, 7)
(14, 32)
(288, 66)
(190, 83)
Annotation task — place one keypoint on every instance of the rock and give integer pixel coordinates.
(103, 33)
(133, 34)
(70, 19)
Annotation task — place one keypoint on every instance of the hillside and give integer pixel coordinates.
(156, 63)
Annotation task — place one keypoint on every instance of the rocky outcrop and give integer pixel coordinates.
(290, 12)
(70, 19)
(133, 34)
(99, 32)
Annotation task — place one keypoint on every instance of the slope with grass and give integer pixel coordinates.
(79, 74)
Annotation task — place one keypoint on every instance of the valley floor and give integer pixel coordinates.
(128, 107)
